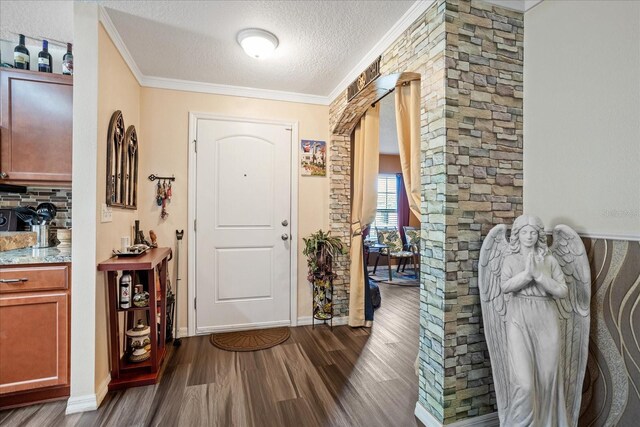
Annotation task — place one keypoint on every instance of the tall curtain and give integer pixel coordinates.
(408, 124)
(363, 208)
(403, 206)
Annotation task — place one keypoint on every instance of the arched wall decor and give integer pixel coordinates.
(131, 178)
(122, 164)
(469, 57)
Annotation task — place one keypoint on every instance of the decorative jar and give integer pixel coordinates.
(139, 342)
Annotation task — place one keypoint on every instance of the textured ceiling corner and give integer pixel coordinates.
(119, 44)
(413, 13)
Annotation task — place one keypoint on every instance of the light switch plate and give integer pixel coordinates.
(106, 213)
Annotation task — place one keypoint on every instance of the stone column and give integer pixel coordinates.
(470, 57)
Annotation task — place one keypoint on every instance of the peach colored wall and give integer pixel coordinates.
(117, 90)
(164, 148)
(390, 163)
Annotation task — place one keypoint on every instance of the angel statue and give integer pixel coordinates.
(535, 307)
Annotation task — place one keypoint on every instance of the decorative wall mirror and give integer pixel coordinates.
(122, 164)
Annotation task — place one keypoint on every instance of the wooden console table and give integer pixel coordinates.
(153, 266)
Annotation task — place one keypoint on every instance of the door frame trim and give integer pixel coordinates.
(191, 216)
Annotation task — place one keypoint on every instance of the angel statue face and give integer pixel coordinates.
(528, 231)
(528, 236)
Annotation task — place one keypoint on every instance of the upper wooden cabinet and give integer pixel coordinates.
(36, 112)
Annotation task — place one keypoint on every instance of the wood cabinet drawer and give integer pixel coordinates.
(29, 279)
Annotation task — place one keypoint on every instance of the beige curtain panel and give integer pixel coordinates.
(408, 125)
(363, 209)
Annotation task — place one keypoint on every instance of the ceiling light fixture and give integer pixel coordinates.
(257, 43)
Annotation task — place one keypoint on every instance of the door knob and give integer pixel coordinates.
(285, 236)
(3, 175)
(284, 222)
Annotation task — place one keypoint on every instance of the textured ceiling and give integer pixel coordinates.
(37, 19)
(320, 41)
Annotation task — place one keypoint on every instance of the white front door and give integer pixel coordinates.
(243, 208)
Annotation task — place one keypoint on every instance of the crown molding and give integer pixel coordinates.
(413, 13)
(107, 23)
(218, 89)
(517, 5)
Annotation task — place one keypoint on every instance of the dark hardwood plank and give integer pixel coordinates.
(319, 377)
(194, 410)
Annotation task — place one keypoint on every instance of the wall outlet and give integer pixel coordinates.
(106, 213)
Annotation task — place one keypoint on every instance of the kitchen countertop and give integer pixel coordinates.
(35, 256)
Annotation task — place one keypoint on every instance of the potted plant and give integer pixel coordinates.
(320, 248)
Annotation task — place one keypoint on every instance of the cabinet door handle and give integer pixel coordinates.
(24, 279)
(3, 175)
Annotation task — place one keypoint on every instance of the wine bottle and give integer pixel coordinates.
(44, 58)
(125, 290)
(21, 58)
(67, 61)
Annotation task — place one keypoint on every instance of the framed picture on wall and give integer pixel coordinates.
(313, 157)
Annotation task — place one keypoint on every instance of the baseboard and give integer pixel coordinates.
(308, 320)
(425, 417)
(103, 389)
(88, 402)
(488, 420)
(302, 321)
(242, 327)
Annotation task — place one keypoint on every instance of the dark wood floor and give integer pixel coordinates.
(319, 377)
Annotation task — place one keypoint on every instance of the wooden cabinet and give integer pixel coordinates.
(36, 111)
(34, 333)
(150, 268)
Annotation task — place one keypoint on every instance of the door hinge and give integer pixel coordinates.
(195, 303)
(195, 145)
(195, 223)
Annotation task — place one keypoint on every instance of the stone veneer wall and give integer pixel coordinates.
(470, 58)
(484, 181)
(61, 197)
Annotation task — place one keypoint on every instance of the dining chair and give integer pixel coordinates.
(412, 236)
(390, 237)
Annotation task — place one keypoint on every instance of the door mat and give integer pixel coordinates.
(257, 339)
(407, 278)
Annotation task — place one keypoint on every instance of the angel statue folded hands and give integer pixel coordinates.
(535, 307)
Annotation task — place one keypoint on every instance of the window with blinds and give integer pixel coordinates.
(387, 210)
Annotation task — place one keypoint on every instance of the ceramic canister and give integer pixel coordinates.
(138, 341)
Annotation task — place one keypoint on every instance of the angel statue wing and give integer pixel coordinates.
(574, 312)
(494, 308)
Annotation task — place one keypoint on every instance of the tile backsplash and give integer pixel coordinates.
(35, 195)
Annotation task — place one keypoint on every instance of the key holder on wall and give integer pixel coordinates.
(163, 192)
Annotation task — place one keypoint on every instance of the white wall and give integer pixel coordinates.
(582, 115)
(85, 153)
